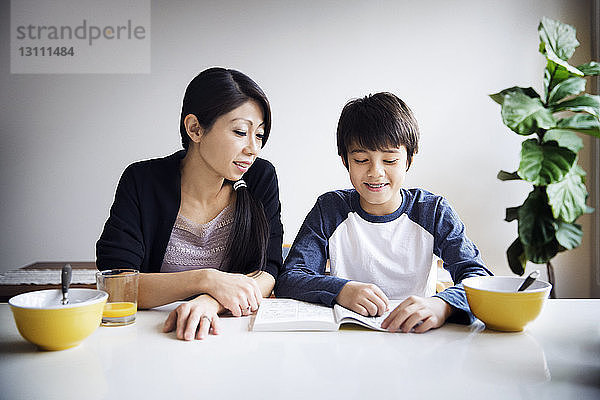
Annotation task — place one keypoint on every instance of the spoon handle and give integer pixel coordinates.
(529, 280)
(66, 281)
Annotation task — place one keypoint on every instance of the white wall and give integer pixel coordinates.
(66, 138)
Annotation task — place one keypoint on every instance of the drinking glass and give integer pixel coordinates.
(122, 288)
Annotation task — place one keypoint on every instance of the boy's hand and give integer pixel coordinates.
(364, 298)
(430, 312)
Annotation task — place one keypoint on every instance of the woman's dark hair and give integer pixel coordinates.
(377, 122)
(211, 94)
(247, 242)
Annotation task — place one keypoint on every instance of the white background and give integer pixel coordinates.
(66, 138)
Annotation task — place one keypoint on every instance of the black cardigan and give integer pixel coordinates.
(146, 204)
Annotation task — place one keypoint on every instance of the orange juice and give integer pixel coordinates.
(119, 309)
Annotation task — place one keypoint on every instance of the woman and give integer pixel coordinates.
(188, 221)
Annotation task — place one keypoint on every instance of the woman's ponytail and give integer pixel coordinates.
(247, 244)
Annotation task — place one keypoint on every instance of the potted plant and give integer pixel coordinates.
(547, 218)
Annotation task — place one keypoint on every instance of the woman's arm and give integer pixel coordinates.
(157, 289)
(265, 282)
(237, 293)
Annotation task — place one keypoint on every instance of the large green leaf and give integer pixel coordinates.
(508, 176)
(584, 123)
(585, 103)
(536, 224)
(512, 213)
(564, 138)
(499, 97)
(550, 56)
(568, 235)
(555, 73)
(590, 69)
(542, 254)
(525, 115)
(557, 37)
(536, 227)
(516, 257)
(567, 197)
(568, 87)
(544, 164)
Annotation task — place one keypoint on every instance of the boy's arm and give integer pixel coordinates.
(461, 258)
(303, 274)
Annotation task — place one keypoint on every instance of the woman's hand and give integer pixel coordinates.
(418, 313)
(195, 318)
(364, 298)
(238, 293)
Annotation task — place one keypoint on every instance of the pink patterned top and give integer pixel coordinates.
(194, 246)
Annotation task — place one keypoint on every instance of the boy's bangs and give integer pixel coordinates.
(373, 140)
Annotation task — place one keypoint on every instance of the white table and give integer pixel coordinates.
(556, 357)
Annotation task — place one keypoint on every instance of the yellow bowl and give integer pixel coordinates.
(495, 301)
(45, 322)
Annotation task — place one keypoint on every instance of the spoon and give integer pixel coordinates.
(529, 280)
(66, 281)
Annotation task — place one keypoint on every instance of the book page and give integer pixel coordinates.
(289, 314)
(344, 315)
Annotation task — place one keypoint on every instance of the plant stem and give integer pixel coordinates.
(551, 279)
(540, 133)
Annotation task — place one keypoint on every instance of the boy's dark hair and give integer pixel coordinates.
(377, 122)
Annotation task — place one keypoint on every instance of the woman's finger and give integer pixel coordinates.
(257, 295)
(216, 325)
(191, 325)
(205, 322)
(236, 309)
(182, 314)
(170, 322)
(254, 299)
(244, 309)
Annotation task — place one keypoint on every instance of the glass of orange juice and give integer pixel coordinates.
(122, 288)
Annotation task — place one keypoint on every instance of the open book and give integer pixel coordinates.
(294, 315)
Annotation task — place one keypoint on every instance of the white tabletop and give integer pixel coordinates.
(556, 357)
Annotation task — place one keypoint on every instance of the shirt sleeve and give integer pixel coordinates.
(303, 275)
(461, 258)
(121, 241)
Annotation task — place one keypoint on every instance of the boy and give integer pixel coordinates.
(379, 237)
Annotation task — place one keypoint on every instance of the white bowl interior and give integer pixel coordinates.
(503, 284)
(52, 298)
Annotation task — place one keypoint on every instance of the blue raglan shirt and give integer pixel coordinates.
(393, 251)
